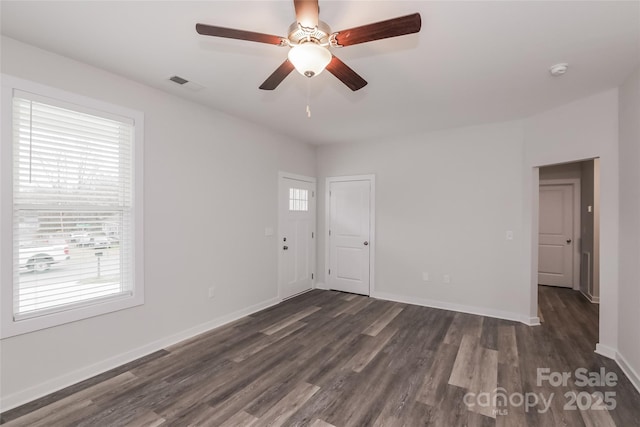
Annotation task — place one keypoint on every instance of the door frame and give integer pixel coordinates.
(605, 242)
(312, 208)
(372, 223)
(577, 235)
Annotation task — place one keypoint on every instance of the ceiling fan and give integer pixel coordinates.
(309, 40)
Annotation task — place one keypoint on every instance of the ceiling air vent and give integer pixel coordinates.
(179, 80)
(188, 84)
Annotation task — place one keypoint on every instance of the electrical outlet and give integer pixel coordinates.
(425, 276)
(446, 279)
(212, 291)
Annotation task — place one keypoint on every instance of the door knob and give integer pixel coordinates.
(366, 243)
(284, 248)
(568, 241)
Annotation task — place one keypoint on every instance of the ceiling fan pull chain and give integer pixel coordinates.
(309, 98)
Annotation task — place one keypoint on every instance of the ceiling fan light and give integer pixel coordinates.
(309, 58)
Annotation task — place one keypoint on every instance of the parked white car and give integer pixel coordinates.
(39, 258)
(80, 239)
(99, 241)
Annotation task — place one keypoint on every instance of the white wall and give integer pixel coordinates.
(444, 201)
(583, 129)
(210, 190)
(629, 292)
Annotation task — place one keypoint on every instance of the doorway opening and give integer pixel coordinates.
(569, 229)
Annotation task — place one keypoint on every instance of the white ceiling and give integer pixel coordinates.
(473, 62)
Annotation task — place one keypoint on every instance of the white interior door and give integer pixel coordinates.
(556, 240)
(349, 236)
(296, 243)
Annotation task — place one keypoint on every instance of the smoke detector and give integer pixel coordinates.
(559, 69)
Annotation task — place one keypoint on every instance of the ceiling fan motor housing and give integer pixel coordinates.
(299, 34)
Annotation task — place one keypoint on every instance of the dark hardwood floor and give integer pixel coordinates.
(327, 358)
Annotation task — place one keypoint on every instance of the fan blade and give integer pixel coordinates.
(345, 74)
(307, 12)
(231, 33)
(278, 76)
(380, 30)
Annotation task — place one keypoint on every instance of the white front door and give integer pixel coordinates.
(349, 236)
(556, 240)
(296, 244)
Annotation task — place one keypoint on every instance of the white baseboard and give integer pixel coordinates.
(321, 285)
(481, 311)
(629, 371)
(590, 298)
(32, 393)
(533, 321)
(606, 351)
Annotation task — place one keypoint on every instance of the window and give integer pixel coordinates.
(298, 199)
(75, 209)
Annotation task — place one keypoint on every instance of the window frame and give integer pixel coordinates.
(296, 203)
(8, 326)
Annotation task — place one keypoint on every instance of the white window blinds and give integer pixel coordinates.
(72, 199)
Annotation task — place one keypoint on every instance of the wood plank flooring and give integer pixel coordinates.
(331, 359)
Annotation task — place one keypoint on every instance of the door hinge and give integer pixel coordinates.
(313, 194)
(312, 234)
(329, 193)
(311, 276)
(329, 232)
(329, 271)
